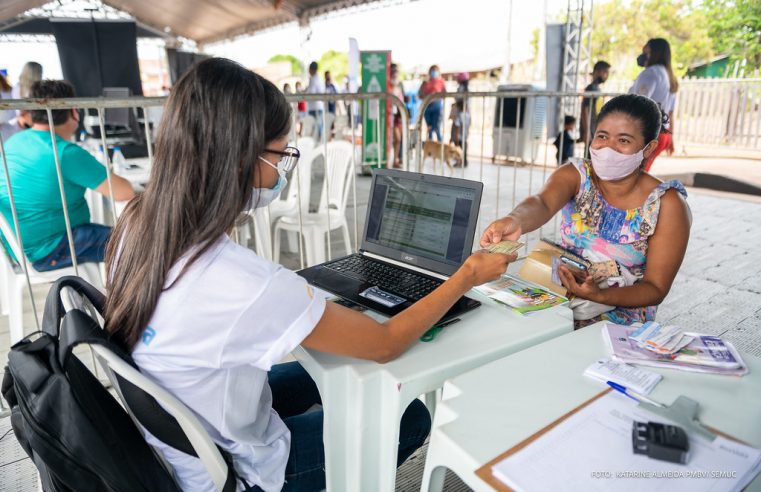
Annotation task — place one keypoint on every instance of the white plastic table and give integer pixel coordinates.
(99, 204)
(363, 401)
(491, 409)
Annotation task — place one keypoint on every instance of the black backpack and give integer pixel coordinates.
(76, 433)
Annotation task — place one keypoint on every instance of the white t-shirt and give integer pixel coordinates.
(212, 338)
(654, 83)
(316, 86)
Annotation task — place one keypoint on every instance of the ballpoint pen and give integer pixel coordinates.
(634, 396)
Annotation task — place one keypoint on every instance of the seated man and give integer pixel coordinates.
(34, 181)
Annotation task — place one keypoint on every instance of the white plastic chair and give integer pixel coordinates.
(259, 226)
(308, 127)
(14, 280)
(298, 184)
(331, 214)
(203, 445)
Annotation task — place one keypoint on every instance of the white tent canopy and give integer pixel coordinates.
(204, 21)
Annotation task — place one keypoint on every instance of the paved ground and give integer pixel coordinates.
(718, 289)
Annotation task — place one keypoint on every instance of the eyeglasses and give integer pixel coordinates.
(289, 157)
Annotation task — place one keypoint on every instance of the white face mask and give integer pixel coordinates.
(261, 197)
(610, 165)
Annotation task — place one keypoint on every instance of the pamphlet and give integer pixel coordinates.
(522, 296)
(704, 353)
(639, 380)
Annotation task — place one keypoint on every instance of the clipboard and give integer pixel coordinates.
(485, 472)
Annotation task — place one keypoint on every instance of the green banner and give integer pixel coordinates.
(375, 114)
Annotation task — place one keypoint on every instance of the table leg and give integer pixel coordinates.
(361, 434)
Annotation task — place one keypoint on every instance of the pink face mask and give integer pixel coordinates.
(610, 165)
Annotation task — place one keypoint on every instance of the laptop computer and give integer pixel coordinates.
(418, 231)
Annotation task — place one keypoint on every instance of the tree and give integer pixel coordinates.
(336, 62)
(297, 68)
(621, 28)
(735, 27)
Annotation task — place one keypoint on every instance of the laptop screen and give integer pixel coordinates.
(419, 219)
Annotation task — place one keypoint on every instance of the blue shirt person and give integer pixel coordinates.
(33, 176)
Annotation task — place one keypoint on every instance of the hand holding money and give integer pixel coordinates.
(504, 247)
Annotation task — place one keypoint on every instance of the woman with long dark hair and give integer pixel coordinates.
(209, 320)
(658, 82)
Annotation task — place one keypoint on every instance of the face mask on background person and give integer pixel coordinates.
(434, 74)
(642, 59)
(610, 165)
(261, 197)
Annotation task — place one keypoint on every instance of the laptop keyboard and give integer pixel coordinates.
(388, 277)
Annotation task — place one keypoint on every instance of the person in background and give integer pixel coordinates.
(210, 320)
(301, 106)
(565, 140)
(396, 87)
(34, 178)
(30, 73)
(315, 108)
(433, 111)
(8, 121)
(590, 106)
(631, 226)
(461, 117)
(330, 88)
(287, 89)
(658, 82)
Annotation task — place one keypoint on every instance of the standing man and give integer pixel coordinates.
(330, 88)
(590, 107)
(31, 165)
(315, 108)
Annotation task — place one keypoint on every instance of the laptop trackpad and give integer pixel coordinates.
(336, 283)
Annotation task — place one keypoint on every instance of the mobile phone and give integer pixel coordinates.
(579, 270)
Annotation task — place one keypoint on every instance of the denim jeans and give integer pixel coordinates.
(432, 117)
(89, 243)
(293, 393)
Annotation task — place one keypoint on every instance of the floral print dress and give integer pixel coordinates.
(590, 223)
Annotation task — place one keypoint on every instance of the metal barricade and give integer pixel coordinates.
(509, 129)
(263, 243)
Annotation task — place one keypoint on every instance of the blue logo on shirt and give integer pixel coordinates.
(148, 335)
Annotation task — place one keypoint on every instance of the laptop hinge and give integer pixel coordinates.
(403, 265)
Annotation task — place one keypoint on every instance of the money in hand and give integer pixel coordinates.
(505, 247)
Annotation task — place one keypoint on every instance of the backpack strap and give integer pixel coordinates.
(78, 328)
(54, 310)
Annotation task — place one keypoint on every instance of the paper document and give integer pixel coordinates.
(592, 451)
(636, 379)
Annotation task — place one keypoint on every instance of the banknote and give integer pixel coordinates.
(505, 247)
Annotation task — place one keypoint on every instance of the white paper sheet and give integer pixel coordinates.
(592, 451)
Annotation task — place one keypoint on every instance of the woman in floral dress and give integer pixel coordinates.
(620, 218)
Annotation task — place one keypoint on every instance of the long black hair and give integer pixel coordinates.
(660, 54)
(217, 122)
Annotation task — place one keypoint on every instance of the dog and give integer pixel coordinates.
(452, 154)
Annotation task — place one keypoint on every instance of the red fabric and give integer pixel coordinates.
(302, 107)
(665, 141)
(431, 86)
